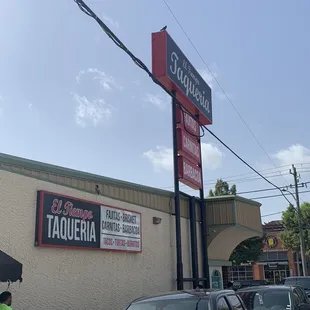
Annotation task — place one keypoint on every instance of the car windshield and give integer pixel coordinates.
(302, 282)
(172, 304)
(264, 300)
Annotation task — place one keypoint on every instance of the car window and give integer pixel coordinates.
(172, 304)
(290, 281)
(262, 300)
(222, 304)
(235, 302)
(304, 283)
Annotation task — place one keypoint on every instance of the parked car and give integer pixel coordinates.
(247, 283)
(190, 300)
(303, 282)
(274, 297)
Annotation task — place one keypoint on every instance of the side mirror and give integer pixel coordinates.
(308, 295)
(304, 307)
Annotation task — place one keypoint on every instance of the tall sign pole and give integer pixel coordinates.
(300, 226)
(191, 96)
(204, 235)
(177, 210)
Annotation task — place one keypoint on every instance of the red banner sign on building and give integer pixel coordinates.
(188, 146)
(189, 150)
(187, 122)
(189, 173)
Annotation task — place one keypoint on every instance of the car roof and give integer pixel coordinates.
(201, 293)
(303, 277)
(265, 288)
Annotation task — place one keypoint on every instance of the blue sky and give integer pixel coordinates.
(69, 96)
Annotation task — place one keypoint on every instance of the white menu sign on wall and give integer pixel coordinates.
(120, 229)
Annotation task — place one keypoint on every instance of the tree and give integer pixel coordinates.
(290, 236)
(222, 189)
(249, 250)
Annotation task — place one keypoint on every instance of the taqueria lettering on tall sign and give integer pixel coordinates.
(175, 71)
(69, 222)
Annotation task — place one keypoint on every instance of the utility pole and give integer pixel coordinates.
(300, 226)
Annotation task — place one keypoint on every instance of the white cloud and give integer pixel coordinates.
(107, 82)
(157, 100)
(211, 156)
(110, 21)
(162, 157)
(295, 154)
(221, 96)
(208, 77)
(93, 112)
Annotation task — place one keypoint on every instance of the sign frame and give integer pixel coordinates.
(39, 224)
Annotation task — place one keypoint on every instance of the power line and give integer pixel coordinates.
(265, 189)
(220, 86)
(236, 181)
(270, 214)
(272, 196)
(249, 176)
(84, 8)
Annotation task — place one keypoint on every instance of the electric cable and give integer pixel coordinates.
(220, 86)
(268, 189)
(273, 196)
(233, 181)
(249, 176)
(85, 9)
(270, 214)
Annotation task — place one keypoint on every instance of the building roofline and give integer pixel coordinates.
(40, 166)
(234, 197)
(49, 168)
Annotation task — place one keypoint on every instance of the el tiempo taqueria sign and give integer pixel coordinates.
(69, 222)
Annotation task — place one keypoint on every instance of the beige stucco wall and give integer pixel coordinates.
(80, 279)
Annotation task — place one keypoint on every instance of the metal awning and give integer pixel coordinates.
(10, 269)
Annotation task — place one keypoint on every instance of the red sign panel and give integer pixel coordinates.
(189, 146)
(189, 173)
(188, 122)
(175, 72)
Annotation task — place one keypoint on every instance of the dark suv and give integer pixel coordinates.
(190, 300)
(303, 282)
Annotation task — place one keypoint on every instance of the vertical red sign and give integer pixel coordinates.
(189, 150)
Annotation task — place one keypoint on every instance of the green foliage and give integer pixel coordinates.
(222, 189)
(290, 240)
(290, 237)
(248, 250)
(233, 190)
